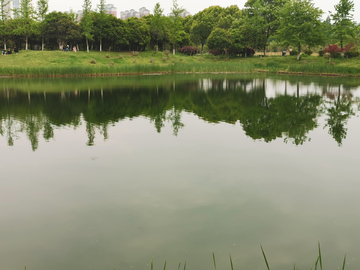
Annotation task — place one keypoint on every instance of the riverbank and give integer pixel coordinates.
(58, 64)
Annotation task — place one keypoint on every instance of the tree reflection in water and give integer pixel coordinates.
(284, 115)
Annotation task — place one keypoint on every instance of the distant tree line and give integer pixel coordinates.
(230, 30)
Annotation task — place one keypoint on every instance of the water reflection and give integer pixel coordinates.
(267, 108)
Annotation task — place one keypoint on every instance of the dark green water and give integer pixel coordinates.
(104, 173)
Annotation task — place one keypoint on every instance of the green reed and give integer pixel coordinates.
(324, 69)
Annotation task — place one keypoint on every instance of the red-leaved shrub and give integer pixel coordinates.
(189, 50)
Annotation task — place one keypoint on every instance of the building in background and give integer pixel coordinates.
(12, 8)
(132, 13)
(111, 9)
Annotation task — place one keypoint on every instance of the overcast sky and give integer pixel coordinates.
(192, 7)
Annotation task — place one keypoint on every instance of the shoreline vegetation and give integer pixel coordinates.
(73, 64)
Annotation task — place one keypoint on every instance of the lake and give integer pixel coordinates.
(104, 173)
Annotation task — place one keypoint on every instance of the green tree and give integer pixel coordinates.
(263, 16)
(300, 25)
(43, 7)
(200, 31)
(86, 23)
(176, 27)
(138, 33)
(25, 22)
(101, 21)
(219, 39)
(4, 15)
(157, 24)
(344, 26)
(61, 30)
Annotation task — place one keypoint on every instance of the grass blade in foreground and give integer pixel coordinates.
(214, 260)
(231, 263)
(152, 263)
(165, 265)
(344, 263)
(267, 265)
(179, 265)
(320, 256)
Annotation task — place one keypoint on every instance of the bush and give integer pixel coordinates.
(334, 50)
(107, 56)
(164, 59)
(166, 52)
(152, 60)
(135, 53)
(321, 53)
(121, 56)
(308, 51)
(215, 52)
(249, 52)
(294, 52)
(93, 61)
(351, 51)
(351, 54)
(188, 50)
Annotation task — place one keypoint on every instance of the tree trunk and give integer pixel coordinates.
(42, 42)
(265, 50)
(87, 45)
(202, 48)
(26, 41)
(100, 44)
(173, 49)
(4, 43)
(299, 52)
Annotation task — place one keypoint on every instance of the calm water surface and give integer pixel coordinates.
(109, 172)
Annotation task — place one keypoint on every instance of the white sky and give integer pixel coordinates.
(65, 5)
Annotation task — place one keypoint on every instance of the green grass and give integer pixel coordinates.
(59, 63)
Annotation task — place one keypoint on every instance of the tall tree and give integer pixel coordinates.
(300, 25)
(86, 23)
(176, 27)
(263, 15)
(25, 21)
(4, 15)
(43, 7)
(344, 26)
(157, 24)
(101, 21)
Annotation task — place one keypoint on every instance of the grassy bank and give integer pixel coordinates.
(58, 63)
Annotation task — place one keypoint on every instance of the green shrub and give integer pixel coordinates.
(308, 52)
(321, 53)
(351, 54)
(93, 61)
(294, 52)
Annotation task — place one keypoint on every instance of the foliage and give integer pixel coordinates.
(351, 51)
(188, 50)
(333, 50)
(219, 39)
(261, 19)
(308, 51)
(215, 52)
(300, 24)
(344, 27)
(86, 23)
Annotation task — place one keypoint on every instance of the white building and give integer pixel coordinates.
(11, 6)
